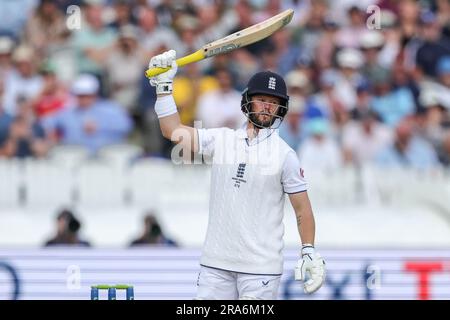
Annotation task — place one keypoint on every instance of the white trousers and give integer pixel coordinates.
(217, 284)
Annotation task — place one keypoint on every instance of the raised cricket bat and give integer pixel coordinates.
(234, 41)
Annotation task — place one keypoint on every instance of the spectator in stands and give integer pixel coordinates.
(434, 117)
(444, 150)
(165, 12)
(312, 32)
(67, 231)
(287, 51)
(126, 55)
(245, 14)
(24, 82)
(152, 35)
(243, 65)
(408, 12)
(191, 85)
(45, 27)
(13, 16)
(349, 61)
(6, 49)
(371, 44)
(212, 23)
(53, 96)
(152, 234)
(313, 45)
(443, 71)
(5, 118)
(92, 122)
(442, 10)
(319, 151)
(403, 80)
(64, 4)
(435, 44)
(350, 36)
(269, 57)
(188, 29)
(392, 44)
(328, 98)
(408, 150)
(392, 104)
(291, 129)
(364, 137)
(25, 137)
(326, 44)
(123, 14)
(434, 99)
(363, 100)
(64, 56)
(441, 87)
(147, 122)
(214, 106)
(93, 39)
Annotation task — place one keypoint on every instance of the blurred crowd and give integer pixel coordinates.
(365, 86)
(68, 229)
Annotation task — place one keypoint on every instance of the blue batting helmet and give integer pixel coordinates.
(267, 83)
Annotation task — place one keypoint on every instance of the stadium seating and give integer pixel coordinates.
(10, 183)
(120, 155)
(351, 199)
(47, 184)
(99, 185)
(68, 156)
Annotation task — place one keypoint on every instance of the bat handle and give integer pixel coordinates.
(194, 57)
(153, 72)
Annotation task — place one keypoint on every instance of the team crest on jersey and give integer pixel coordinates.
(272, 83)
(239, 175)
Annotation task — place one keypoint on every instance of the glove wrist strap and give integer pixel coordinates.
(307, 248)
(164, 87)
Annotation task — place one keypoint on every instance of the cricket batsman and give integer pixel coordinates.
(252, 169)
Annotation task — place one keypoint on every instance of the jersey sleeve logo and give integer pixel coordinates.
(302, 173)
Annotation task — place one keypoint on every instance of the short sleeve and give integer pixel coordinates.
(292, 177)
(207, 140)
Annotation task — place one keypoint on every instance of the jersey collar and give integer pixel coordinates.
(263, 134)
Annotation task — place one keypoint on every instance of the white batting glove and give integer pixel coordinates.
(310, 269)
(163, 82)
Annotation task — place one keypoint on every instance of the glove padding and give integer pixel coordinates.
(164, 60)
(311, 270)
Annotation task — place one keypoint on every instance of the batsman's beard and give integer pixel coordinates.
(257, 118)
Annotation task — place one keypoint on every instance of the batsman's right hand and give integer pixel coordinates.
(310, 269)
(163, 82)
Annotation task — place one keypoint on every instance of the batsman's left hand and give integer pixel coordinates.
(164, 60)
(310, 269)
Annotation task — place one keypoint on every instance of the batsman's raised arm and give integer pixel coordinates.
(165, 106)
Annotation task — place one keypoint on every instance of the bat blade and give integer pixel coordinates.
(249, 35)
(233, 41)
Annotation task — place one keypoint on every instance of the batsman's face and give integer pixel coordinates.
(265, 107)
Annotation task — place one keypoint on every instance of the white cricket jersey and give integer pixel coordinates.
(249, 180)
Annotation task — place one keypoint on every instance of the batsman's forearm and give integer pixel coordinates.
(169, 120)
(306, 226)
(169, 124)
(172, 129)
(305, 218)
